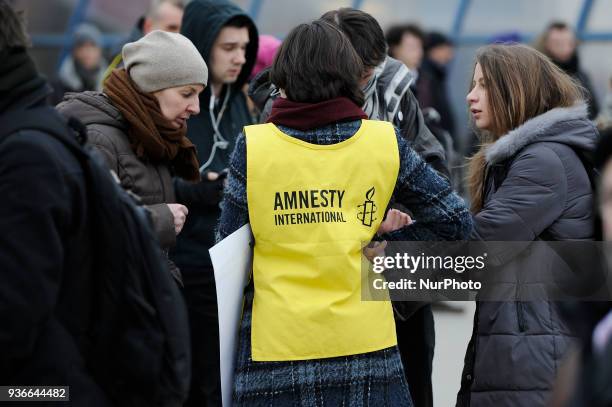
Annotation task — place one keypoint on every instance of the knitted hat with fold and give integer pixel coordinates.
(161, 60)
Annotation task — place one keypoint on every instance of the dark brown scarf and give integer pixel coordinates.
(151, 134)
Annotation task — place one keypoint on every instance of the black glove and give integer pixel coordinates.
(205, 193)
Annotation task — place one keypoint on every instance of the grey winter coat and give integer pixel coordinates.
(536, 187)
(107, 132)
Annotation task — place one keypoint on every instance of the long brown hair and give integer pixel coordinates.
(521, 83)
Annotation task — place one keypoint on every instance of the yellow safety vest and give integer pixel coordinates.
(311, 207)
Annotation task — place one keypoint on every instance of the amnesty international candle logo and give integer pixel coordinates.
(367, 209)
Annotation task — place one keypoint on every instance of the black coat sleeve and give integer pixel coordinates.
(412, 128)
(35, 209)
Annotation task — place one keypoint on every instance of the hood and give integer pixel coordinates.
(202, 22)
(565, 125)
(395, 76)
(391, 80)
(92, 108)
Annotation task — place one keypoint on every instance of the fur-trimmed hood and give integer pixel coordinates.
(565, 125)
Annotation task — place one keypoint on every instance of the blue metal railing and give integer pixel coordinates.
(64, 41)
(459, 19)
(357, 4)
(583, 17)
(255, 9)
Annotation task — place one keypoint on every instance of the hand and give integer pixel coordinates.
(211, 187)
(374, 249)
(180, 215)
(395, 220)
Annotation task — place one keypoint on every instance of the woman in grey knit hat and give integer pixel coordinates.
(138, 123)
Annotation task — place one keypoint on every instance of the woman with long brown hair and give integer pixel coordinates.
(527, 183)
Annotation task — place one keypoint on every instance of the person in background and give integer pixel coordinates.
(84, 68)
(165, 15)
(268, 45)
(406, 44)
(227, 39)
(585, 376)
(604, 119)
(139, 124)
(439, 52)
(559, 43)
(527, 183)
(306, 337)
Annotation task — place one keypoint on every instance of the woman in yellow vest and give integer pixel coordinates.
(314, 183)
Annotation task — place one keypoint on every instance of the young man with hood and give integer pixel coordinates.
(227, 39)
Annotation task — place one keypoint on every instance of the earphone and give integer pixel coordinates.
(218, 140)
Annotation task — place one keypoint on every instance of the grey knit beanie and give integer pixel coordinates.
(161, 60)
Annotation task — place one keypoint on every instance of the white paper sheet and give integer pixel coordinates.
(231, 259)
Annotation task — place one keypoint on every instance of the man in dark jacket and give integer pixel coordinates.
(438, 54)
(560, 44)
(227, 39)
(45, 239)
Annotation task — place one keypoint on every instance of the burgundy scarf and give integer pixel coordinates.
(306, 116)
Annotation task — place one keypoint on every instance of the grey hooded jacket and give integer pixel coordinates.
(536, 187)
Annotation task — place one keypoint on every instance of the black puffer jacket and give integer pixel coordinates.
(537, 187)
